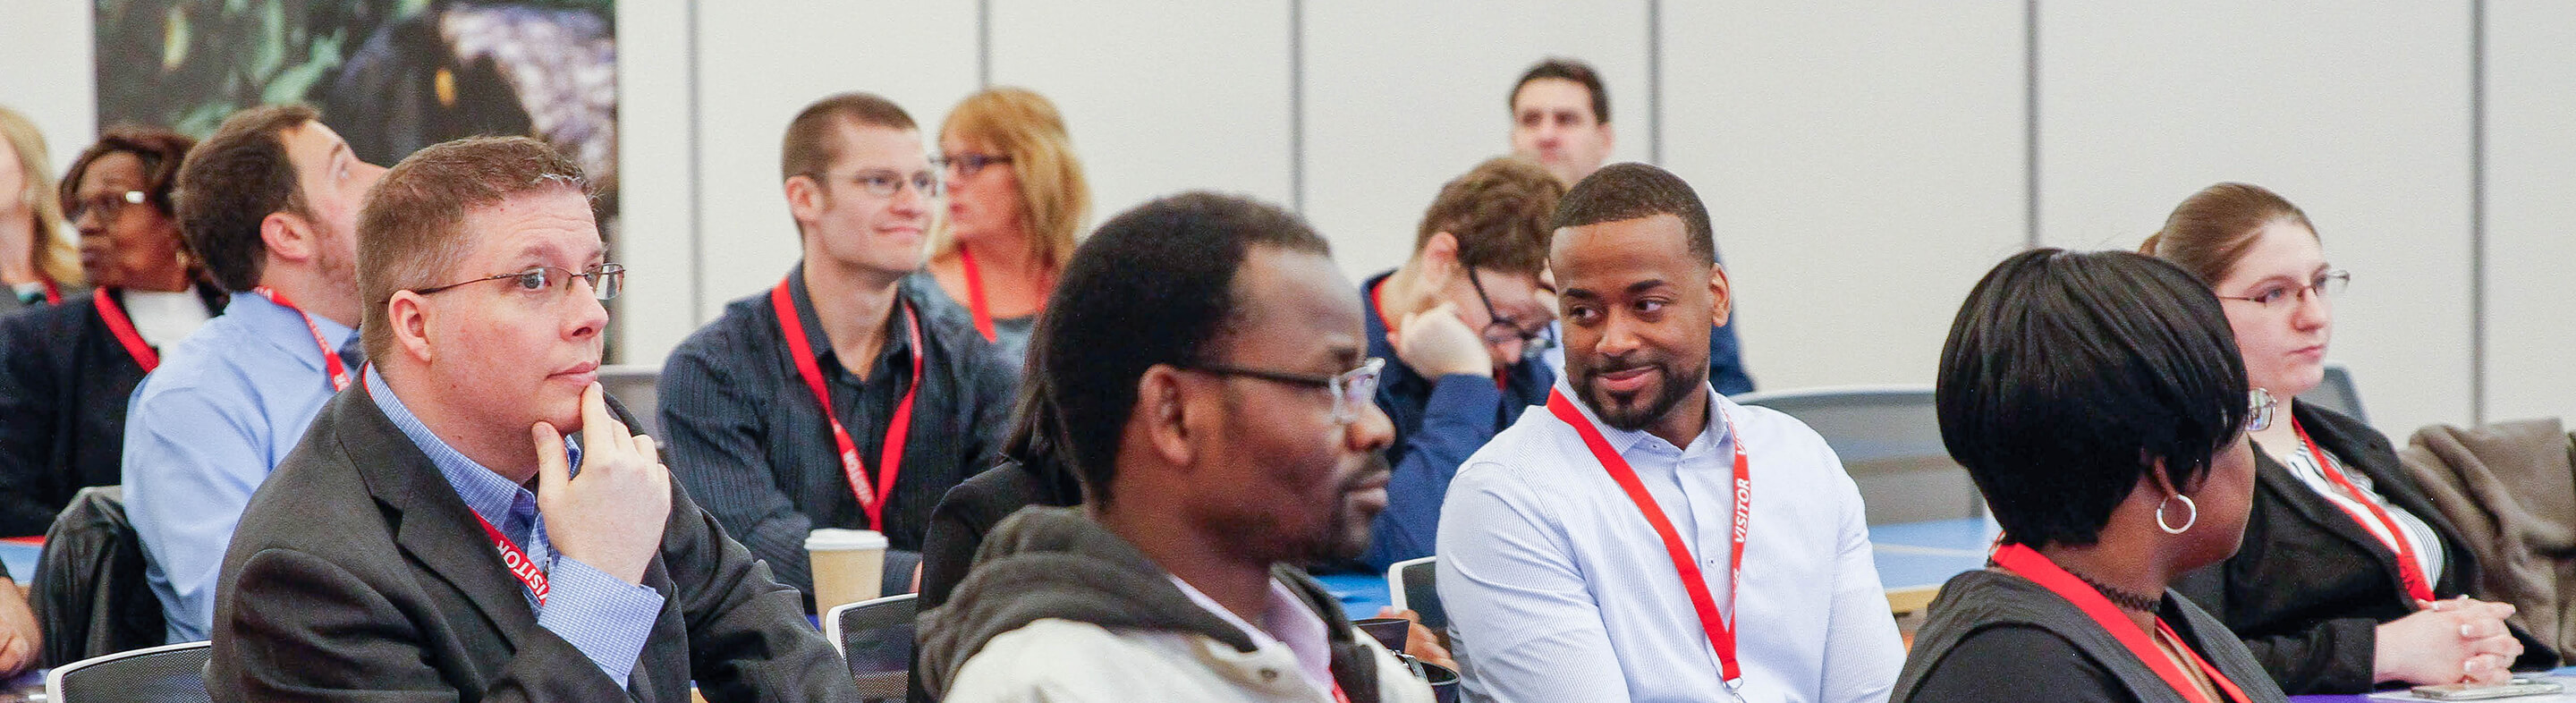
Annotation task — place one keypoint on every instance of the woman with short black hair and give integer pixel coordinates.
(2099, 404)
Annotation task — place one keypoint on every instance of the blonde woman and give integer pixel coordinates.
(37, 259)
(1016, 199)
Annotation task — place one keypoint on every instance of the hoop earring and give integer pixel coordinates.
(2187, 522)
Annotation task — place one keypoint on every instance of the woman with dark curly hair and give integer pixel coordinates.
(66, 370)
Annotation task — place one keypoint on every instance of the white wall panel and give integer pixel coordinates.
(2358, 113)
(46, 73)
(1402, 96)
(2531, 216)
(656, 311)
(1862, 163)
(1160, 95)
(760, 63)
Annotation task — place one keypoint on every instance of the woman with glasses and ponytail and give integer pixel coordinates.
(2349, 578)
(2097, 401)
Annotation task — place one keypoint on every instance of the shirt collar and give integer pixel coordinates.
(284, 328)
(1285, 620)
(897, 343)
(494, 498)
(1715, 435)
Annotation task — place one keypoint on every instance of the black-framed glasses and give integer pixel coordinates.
(885, 182)
(1351, 389)
(2326, 285)
(105, 205)
(968, 164)
(2261, 406)
(606, 280)
(1504, 329)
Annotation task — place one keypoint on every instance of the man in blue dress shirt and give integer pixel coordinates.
(1642, 538)
(270, 202)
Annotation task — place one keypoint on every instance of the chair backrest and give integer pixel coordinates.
(1889, 440)
(89, 591)
(173, 673)
(2337, 392)
(636, 385)
(875, 638)
(1411, 584)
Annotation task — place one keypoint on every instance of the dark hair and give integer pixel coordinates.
(1627, 191)
(411, 232)
(160, 150)
(2210, 231)
(1499, 212)
(1562, 68)
(1154, 285)
(231, 182)
(809, 147)
(2068, 375)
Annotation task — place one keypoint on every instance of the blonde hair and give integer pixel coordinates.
(1022, 126)
(54, 253)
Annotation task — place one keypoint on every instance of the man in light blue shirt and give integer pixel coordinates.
(270, 202)
(1641, 537)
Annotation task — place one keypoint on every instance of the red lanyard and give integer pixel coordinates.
(123, 327)
(1721, 634)
(2408, 569)
(517, 561)
(53, 292)
(2028, 563)
(975, 293)
(890, 459)
(331, 363)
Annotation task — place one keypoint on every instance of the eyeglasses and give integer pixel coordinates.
(1351, 389)
(2326, 285)
(968, 164)
(886, 182)
(1505, 329)
(106, 205)
(2262, 407)
(606, 280)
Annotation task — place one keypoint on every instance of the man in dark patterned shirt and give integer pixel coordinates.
(916, 398)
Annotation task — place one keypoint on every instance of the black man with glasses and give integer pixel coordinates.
(1223, 443)
(473, 519)
(850, 394)
(1461, 325)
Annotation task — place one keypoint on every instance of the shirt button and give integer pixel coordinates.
(1269, 675)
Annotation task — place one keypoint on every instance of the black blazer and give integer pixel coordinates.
(358, 574)
(64, 381)
(2309, 585)
(1993, 636)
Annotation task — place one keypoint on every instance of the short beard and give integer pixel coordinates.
(1676, 388)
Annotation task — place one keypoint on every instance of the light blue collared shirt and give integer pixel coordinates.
(605, 617)
(1560, 591)
(204, 430)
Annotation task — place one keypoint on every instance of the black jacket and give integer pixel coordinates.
(973, 508)
(2309, 585)
(358, 574)
(64, 381)
(1993, 636)
(1054, 563)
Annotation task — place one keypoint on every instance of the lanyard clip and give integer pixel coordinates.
(1735, 689)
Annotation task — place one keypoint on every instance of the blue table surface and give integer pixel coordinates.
(21, 560)
(2565, 676)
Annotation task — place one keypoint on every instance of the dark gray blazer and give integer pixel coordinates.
(357, 574)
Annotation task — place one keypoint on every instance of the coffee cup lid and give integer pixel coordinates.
(837, 538)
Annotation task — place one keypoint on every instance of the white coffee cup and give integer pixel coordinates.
(849, 565)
